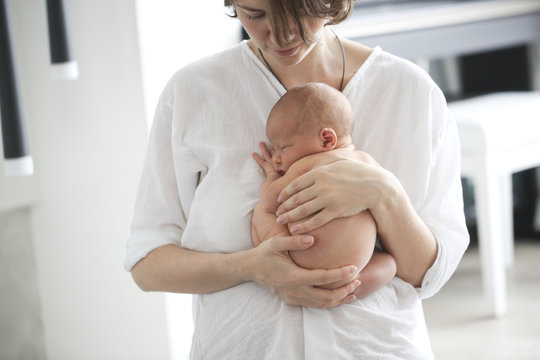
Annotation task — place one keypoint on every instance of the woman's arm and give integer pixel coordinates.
(404, 235)
(175, 269)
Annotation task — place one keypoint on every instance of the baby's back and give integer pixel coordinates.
(343, 241)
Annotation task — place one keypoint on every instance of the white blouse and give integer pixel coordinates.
(199, 186)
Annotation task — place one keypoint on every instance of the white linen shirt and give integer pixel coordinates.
(199, 186)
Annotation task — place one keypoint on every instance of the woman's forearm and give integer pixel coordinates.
(174, 269)
(171, 268)
(404, 235)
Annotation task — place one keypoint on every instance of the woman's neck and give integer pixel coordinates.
(318, 65)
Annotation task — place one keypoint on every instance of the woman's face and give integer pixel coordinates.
(253, 14)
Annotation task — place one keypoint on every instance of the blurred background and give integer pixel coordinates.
(63, 291)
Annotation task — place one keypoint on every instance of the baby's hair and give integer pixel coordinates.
(317, 106)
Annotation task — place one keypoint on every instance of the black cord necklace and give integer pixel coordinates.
(342, 59)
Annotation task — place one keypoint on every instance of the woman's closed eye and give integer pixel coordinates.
(258, 15)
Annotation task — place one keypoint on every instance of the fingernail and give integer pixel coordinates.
(294, 230)
(280, 220)
(280, 198)
(357, 283)
(352, 269)
(279, 212)
(307, 240)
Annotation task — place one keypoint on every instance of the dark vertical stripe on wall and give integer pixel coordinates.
(58, 37)
(13, 134)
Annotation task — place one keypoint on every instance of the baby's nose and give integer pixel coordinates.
(276, 160)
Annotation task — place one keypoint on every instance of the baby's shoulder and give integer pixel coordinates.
(309, 162)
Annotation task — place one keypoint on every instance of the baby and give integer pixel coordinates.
(310, 126)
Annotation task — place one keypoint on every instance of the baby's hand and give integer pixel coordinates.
(265, 162)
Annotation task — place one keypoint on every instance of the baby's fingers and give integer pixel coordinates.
(266, 166)
(259, 160)
(265, 152)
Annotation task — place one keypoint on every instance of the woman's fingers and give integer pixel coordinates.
(304, 213)
(300, 183)
(312, 223)
(339, 189)
(316, 297)
(321, 277)
(325, 298)
(291, 243)
(301, 197)
(298, 286)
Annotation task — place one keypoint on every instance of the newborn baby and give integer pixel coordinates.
(311, 126)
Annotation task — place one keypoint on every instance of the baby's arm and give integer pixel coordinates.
(265, 163)
(263, 222)
(274, 182)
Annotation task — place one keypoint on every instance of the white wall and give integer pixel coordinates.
(88, 138)
(173, 33)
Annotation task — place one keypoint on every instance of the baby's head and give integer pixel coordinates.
(308, 119)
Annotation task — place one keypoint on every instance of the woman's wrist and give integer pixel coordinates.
(244, 265)
(392, 197)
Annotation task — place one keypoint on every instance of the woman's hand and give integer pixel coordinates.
(274, 269)
(339, 189)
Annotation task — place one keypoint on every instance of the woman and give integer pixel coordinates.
(191, 228)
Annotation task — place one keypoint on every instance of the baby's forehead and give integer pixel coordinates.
(280, 134)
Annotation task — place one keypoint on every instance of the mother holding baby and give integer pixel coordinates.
(191, 227)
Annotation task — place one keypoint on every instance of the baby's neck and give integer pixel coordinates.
(345, 145)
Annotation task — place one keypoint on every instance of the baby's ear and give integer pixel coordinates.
(329, 138)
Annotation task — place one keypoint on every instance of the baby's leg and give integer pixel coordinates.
(378, 272)
(264, 225)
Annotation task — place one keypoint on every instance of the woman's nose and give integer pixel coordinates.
(285, 37)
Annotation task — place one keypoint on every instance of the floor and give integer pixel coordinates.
(459, 326)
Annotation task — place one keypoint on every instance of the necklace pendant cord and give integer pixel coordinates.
(342, 59)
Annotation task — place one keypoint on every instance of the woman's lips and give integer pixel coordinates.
(287, 52)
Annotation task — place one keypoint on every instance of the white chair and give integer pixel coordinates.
(500, 135)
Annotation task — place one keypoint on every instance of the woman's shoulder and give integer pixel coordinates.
(210, 64)
(401, 71)
(210, 73)
(378, 67)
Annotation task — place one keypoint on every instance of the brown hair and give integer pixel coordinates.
(297, 10)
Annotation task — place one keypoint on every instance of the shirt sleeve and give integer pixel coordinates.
(443, 208)
(159, 216)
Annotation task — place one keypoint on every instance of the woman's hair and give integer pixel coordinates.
(297, 11)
